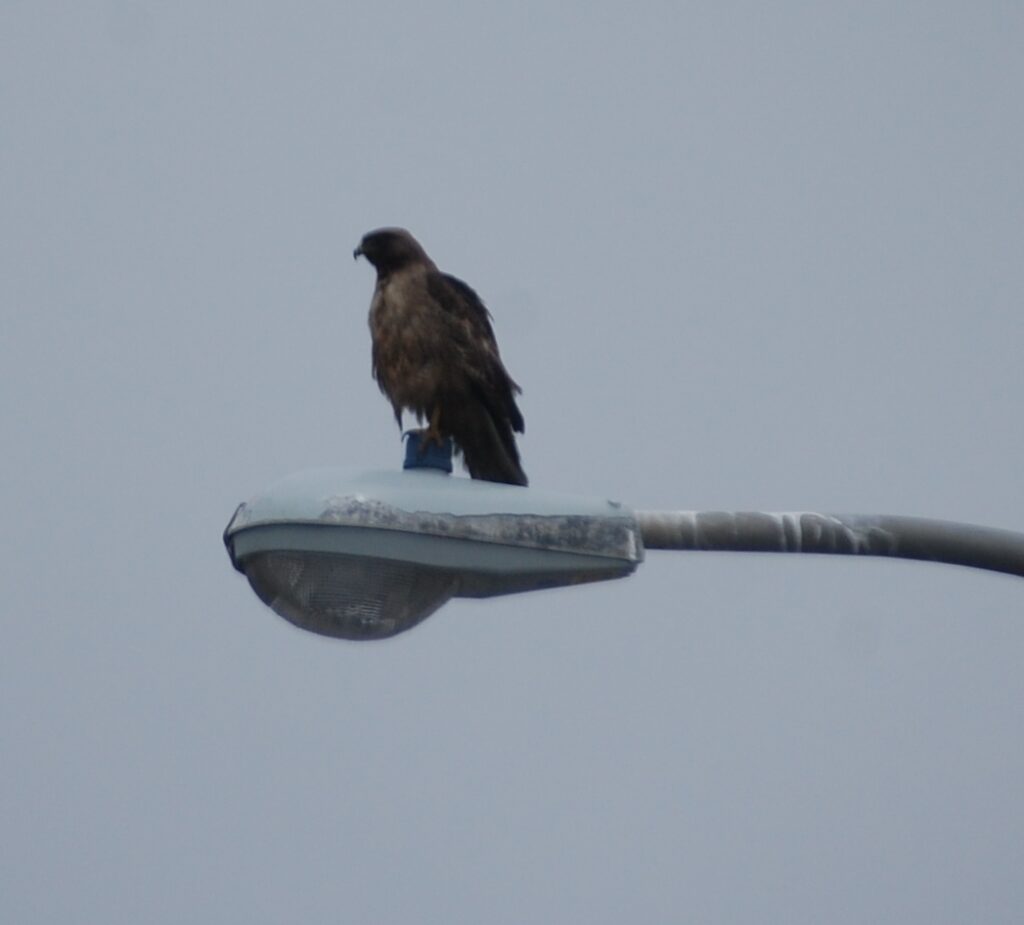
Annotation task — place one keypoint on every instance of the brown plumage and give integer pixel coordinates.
(434, 354)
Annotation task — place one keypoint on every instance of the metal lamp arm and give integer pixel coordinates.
(837, 534)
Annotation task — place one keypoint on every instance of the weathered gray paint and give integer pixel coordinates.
(840, 534)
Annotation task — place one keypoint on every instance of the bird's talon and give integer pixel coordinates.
(432, 433)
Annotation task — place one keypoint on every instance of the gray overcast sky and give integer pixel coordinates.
(740, 256)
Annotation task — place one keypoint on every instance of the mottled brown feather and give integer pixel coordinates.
(434, 350)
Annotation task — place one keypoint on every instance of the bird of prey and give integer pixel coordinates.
(434, 354)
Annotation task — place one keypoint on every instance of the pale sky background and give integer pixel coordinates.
(740, 256)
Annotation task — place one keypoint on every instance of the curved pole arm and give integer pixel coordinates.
(837, 534)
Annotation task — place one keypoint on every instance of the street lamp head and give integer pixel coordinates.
(366, 555)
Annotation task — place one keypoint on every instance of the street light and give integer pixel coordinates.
(366, 555)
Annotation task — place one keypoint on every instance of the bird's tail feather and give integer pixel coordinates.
(488, 447)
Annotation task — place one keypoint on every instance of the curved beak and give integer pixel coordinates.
(357, 253)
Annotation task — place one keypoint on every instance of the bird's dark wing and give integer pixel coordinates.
(478, 349)
(466, 303)
(480, 410)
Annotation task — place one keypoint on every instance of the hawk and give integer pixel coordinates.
(434, 354)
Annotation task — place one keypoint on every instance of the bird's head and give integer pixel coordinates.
(390, 249)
